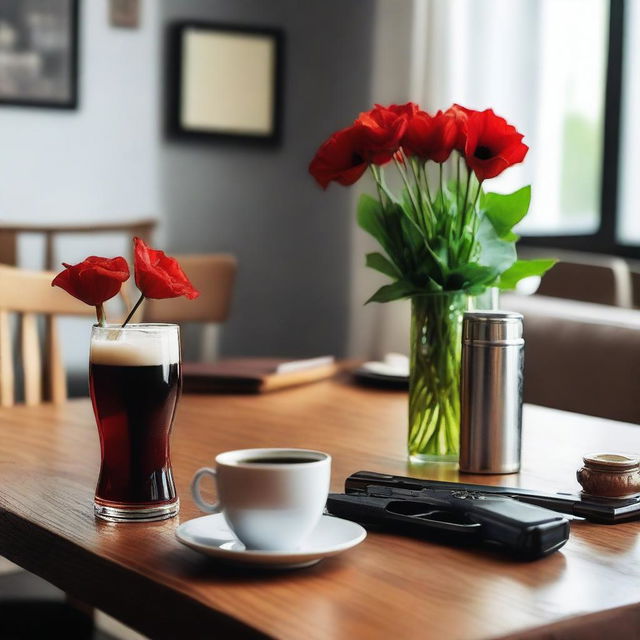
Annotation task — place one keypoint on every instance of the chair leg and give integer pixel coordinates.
(209, 342)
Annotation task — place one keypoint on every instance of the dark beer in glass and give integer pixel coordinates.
(135, 380)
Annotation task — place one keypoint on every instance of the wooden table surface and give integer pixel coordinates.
(388, 587)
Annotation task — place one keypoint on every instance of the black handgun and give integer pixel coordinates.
(525, 531)
(602, 510)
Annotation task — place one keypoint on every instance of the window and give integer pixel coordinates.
(567, 157)
(565, 73)
(628, 229)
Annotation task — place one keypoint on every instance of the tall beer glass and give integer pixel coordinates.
(135, 380)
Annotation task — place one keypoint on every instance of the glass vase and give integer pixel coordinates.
(434, 383)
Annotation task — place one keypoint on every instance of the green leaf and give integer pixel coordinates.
(470, 275)
(389, 292)
(410, 213)
(369, 217)
(382, 264)
(524, 269)
(432, 265)
(506, 210)
(411, 237)
(495, 251)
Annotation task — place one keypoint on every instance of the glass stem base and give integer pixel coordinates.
(133, 513)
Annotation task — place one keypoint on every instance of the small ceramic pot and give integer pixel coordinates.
(610, 475)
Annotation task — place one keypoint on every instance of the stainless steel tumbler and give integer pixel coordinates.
(491, 392)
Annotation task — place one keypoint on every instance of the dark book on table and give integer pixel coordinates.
(254, 375)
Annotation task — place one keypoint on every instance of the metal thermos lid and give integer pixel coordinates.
(492, 327)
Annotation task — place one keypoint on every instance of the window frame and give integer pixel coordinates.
(604, 239)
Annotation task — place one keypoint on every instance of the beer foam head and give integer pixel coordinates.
(135, 348)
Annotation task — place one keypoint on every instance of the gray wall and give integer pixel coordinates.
(292, 240)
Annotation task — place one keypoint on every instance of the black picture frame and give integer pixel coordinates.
(72, 100)
(175, 124)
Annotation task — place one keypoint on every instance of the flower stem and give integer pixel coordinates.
(463, 215)
(100, 315)
(403, 175)
(441, 192)
(135, 308)
(419, 194)
(475, 221)
(458, 182)
(381, 186)
(434, 406)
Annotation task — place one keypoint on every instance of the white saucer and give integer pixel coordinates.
(387, 370)
(211, 535)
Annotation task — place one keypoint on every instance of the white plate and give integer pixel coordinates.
(211, 535)
(387, 370)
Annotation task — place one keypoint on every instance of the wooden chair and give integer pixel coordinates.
(29, 294)
(9, 234)
(214, 276)
(586, 277)
(607, 282)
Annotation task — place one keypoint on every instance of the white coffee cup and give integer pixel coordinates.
(271, 498)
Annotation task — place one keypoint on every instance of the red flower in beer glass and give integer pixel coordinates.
(492, 145)
(159, 276)
(94, 280)
(340, 158)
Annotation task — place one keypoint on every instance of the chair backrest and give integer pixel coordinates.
(587, 277)
(9, 233)
(580, 356)
(29, 294)
(635, 283)
(607, 282)
(214, 276)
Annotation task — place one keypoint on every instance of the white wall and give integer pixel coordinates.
(99, 162)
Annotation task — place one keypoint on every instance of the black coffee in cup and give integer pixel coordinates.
(266, 460)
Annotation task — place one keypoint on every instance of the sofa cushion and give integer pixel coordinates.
(580, 356)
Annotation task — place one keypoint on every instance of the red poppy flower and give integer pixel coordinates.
(340, 158)
(407, 110)
(382, 130)
(460, 116)
(94, 280)
(492, 144)
(158, 275)
(430, 137)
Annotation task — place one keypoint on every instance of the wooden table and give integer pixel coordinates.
(388, 587)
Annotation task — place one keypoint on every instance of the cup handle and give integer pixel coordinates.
(205, 506)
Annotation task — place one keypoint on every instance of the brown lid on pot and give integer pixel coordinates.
(611, 461)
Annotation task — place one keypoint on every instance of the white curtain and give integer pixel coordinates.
(540, 64)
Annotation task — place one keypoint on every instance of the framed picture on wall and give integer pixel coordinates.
(225, 82)
(39, 53)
